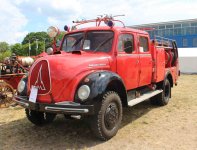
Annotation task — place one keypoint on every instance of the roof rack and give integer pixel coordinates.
(164, 42)
(107, 19)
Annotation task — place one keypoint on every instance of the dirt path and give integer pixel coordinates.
(143, 127)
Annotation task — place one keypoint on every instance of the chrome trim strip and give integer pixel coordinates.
(68, 103)
(21, 97)
(78, 110)
(22, 103)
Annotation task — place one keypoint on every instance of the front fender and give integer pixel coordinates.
(98, 82)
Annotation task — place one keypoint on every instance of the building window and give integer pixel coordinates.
(161, 27)
(171, 32)
(194, 24)
(167, 32)
(195, 30)
(177, 25)
(185, 25)
(185, 42)
(177, 31)
(188, 30)
(169, 26)
(194, 42)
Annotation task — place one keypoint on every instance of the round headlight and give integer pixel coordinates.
(21, 86)
(52, 31)
(84, 92)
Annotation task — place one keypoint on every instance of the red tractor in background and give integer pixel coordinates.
(95, 72)
(12, 70)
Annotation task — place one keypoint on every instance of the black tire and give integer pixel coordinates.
(106, 121)
(39, 118)
(163, 98)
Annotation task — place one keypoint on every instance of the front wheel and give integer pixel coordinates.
(164, 97)
(39, 118)
(106, 122)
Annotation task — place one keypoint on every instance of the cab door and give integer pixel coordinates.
(145, 58)
(128, 60)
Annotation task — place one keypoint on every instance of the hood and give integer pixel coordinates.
(53, 75)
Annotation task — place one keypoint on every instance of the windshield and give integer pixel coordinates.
(91, 41)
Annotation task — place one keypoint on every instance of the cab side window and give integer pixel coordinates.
(126, 43)
(143, 44)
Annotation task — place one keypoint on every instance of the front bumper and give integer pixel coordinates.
(59, 108)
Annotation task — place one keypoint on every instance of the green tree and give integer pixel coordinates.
(44, 41)
(4, 50)
(17, 49)
(40, 36)
(4, 46)
(4, 55)
(34, 50)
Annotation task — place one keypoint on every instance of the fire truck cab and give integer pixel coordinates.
(95, 72)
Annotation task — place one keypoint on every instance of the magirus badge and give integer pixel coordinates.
(39, 83)
(40, 77)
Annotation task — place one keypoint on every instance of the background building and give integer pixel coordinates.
(185, 34)
(183, 31)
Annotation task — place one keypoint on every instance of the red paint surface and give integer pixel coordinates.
(67, 70)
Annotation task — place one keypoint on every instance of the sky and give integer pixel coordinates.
(19, 17)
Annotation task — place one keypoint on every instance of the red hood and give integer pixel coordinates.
(55, 74)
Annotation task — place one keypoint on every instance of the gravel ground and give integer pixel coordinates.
(143, 127)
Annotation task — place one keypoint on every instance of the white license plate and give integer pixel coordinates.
(33, 94)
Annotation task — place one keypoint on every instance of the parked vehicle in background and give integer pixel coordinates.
(12, 70)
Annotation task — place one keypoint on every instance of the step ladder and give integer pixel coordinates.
(144, 97)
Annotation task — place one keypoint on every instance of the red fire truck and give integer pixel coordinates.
(95, 72)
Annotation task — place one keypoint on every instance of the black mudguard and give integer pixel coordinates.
(98, 83)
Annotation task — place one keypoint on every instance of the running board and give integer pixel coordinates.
(143, 97)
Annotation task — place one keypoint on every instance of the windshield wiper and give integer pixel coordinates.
(77, 41)
(103, 43)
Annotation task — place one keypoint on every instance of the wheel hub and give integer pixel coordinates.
(111, 116)
(3, 96)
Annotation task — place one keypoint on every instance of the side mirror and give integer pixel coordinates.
(128, 47)
(50, 51)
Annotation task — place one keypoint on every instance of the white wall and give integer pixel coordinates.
(188, 60)
(188, 64)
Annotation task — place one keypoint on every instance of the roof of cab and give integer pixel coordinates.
(118, 29)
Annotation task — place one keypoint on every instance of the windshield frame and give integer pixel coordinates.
(85, 32)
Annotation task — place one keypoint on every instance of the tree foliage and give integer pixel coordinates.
(17, 49)
(29, 44)
(4, 46)
(40, 36)
(5, 54)
(33, 51)
(4, 50)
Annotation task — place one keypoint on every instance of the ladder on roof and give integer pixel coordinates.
(101, 18)
(166, 43)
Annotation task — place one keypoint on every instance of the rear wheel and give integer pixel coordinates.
(105, 123)
(164, 97)
(39, 118)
